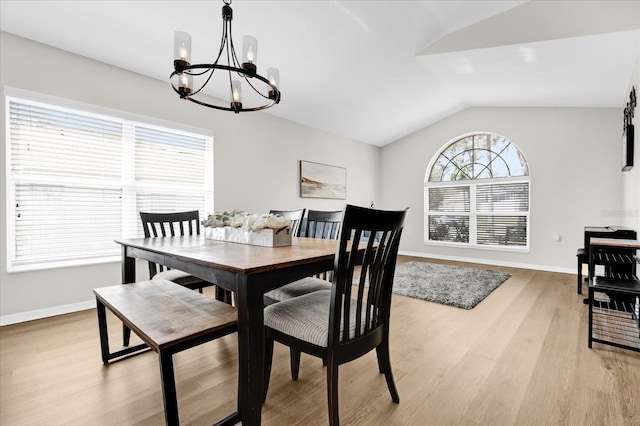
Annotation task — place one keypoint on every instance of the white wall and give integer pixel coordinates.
(574, 162)
(574, 158)
(630, 215)
(256, 158)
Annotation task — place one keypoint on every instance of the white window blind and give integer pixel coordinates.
(449, 199)
(78, 180)
(510, 203)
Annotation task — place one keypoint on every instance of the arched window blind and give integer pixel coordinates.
(477, 194)
(77, 181)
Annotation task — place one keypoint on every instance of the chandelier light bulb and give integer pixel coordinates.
(236, 96)
(185, 84)
(182, 48)
(273, 75)
(237, 90)
(249, 53)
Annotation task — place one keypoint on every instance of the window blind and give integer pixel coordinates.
(78, 180)
(502, 229)
(506, 197)
(449, 199)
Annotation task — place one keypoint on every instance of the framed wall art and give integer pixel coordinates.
(322, 181)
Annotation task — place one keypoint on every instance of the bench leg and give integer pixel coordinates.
(126, 335)
(102, 327)
(169, 397)
(104, 337)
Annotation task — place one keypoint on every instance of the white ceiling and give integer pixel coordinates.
(373, 71)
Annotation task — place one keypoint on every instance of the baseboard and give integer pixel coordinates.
(491, 262)
(90, 304)
(46, 312)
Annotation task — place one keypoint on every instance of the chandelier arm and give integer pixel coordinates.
(258, 108)
(223, 42)
(212, 67)
(198, 73)
(229, 44)
(254, 89)
(205, 83)
(236, 62)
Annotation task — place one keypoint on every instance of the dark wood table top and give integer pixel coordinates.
(615, 242)
(238, 258)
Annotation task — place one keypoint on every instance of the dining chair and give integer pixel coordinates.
(322, 224)
(352, 319)
(319, 224)
(295, 216)
(171, 225)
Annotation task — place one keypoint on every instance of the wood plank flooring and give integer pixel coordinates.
(520, 357)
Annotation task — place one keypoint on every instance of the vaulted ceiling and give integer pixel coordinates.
(373, 71)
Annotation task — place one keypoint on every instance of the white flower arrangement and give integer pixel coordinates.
(248, 222)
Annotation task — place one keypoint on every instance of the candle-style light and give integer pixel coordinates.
(249, 53)
(273, 75)
(236, 95)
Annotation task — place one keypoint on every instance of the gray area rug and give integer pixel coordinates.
(449, 285)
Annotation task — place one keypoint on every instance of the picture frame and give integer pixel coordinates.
(319, 180)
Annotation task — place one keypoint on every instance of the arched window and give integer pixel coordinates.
(476, 193)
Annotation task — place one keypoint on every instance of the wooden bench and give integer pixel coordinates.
(169, 318)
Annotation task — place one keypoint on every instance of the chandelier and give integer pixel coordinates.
(229, 75)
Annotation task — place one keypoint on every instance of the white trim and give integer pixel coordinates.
(46, 312)
(548, 268)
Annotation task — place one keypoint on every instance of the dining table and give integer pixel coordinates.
(247, 270)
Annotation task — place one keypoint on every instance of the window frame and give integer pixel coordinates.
(128, 211)
(473, 213)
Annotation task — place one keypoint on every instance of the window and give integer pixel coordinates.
(76, 181)
(476, 194)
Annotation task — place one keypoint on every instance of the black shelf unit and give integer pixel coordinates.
(614, 295)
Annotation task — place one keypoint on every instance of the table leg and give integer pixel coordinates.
(250, 350)
(128, 276)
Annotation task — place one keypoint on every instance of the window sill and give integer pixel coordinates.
(62, 264)
(512, 249)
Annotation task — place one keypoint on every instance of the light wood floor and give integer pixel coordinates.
(518, 358)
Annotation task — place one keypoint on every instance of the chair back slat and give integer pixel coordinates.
(322, 224)
(164, 224)
(362, 284)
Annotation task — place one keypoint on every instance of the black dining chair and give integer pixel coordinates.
(319, 224)
(171, 225)
(352, 319)
(322, 224)
(295, 216)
